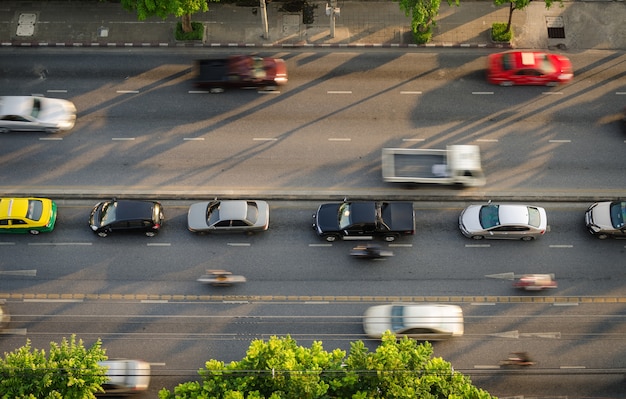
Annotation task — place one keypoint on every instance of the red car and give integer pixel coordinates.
(528, 68)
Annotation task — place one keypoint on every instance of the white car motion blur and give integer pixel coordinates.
(420, 321)
(505, 222)
(33, 113)
(126, 376)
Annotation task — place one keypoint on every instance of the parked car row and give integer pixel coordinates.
(333, 221)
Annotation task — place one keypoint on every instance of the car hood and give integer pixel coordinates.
(470, 218)
(601, 216)
(326, 217)
(376, 321)
(196, 216)
(56, 111)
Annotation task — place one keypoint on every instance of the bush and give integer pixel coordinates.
(197, 32)
(499, 33)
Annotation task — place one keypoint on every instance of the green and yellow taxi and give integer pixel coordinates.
(27, 215)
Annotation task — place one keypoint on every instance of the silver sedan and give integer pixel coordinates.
(32, 113)
(228, 216)
(512, 222)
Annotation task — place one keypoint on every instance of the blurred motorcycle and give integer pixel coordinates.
(369, 251)
(517, 359)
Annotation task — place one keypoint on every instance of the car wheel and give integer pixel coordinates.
(34, 232)
(506, 83)
(103, 233)
(51, 130)
(603, 236)
(391, 238)
(331, 238)
(551, 84)
(477, 237)
(150, 233)
(215, 90)
(4, 130)
(527, 238)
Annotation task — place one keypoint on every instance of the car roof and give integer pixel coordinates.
(133, 209)
(513, 214)
(233, 210)
(14, 207)
(362, 212)
(16, 105)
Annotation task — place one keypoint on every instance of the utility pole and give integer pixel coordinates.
(263, 8)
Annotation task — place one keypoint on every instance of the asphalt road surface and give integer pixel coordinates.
(143, 129)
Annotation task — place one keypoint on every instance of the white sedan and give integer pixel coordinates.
(32, 113)
(228, 216)
(512, 222)
(420, 321)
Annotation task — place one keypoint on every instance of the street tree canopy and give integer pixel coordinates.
(520, 5)
(69, 371)
(165, 8)
(280, 368)
(423, 13)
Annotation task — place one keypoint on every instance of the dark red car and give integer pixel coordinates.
(528, 68)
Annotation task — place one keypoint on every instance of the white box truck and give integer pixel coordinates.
(457, 164)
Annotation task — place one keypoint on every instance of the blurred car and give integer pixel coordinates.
(4, 318)
(228, 216)
(528, 68)
(535, 282)
(126, 376)
(32, 113)
(27, 215)
(513, 222)
(606, 219)
(424, 322)
(126, 216)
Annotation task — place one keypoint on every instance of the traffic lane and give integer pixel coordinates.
(557, 337)
(281, 261)
(338, 158)
(409, 73)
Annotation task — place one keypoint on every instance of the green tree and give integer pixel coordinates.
(520, 5)
(423, 13)
(279, 368)
(69, 371)
(164, 8)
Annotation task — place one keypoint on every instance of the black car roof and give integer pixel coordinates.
(133, 209)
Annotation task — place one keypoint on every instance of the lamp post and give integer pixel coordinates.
(332, 11)
(263, 8)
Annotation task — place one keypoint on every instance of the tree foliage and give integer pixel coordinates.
(422, 13)
(68, 371)
(280, 368)
(520, 5)
(165, 8)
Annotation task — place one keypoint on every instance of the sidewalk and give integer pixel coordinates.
(593, 24)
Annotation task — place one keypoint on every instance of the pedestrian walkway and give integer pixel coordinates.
(592, 24)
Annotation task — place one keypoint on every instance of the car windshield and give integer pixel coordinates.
(508, 61)
(397, 318)
(213, 213)
(36, 107)
(489, 216)
(534, 217)
(618, 214)
(107, 215)
(35, 208)
(343, 218)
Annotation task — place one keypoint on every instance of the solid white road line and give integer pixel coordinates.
(193, 139)
(339, 92)
(410, 92)
(559, 141)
